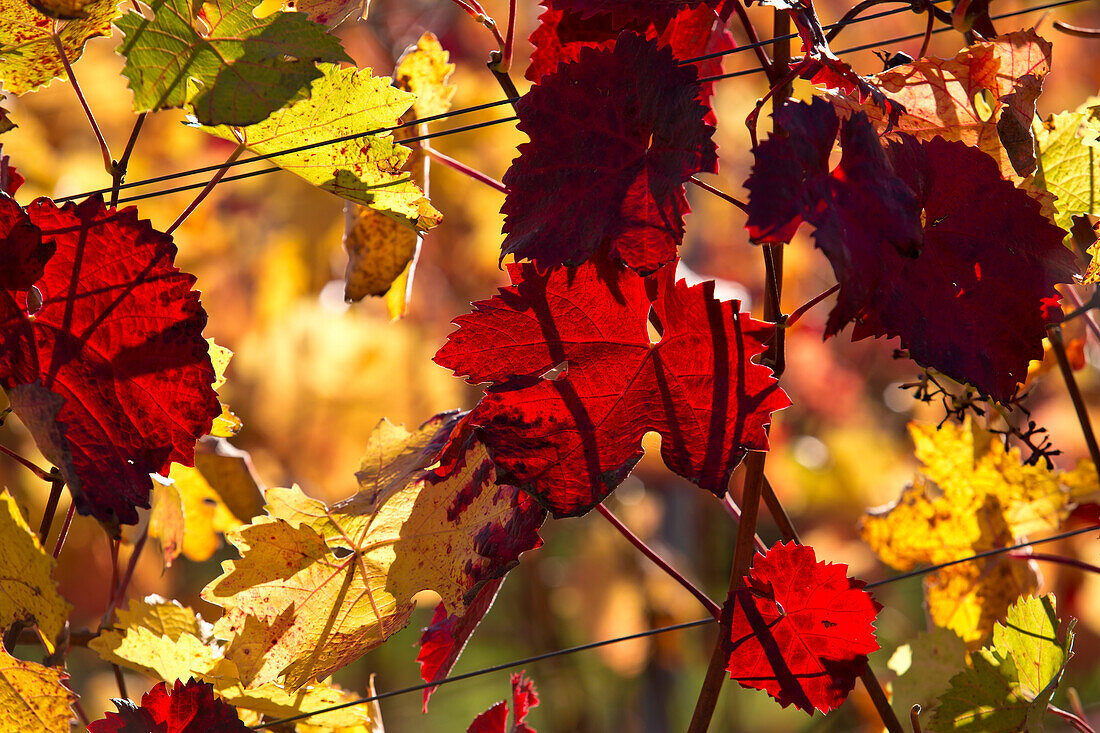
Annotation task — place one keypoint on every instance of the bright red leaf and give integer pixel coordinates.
(614, 137)
(111, 374)
(442, 642)
(801, 629)
(495, 719)
(186, 708)
(626, 13)
(693, 32)
(572, 439)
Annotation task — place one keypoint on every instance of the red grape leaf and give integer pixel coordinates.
(983, 96)
(495, 719)
(625, 13)
(614, 136)
(572, 439)
(10, 178)
(691, 33)
(801, 629)
(442, 642)
(111, 374)
(185, 708)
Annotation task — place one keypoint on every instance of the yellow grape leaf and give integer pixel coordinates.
(379, 250)
(367, 170)
(397, 297)
(317, 586)
(424, 70)
(329, 12)
(166, 520)
(33, 698)
(227, 424)
(1069, 161)
(971, 496)
(30, 594)
(984, 96)
(28, 56)
(168, 641)
(64, 9)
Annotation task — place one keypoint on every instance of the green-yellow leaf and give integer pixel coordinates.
(367, 170)
(935, 656)
(424, 70)
(28, 54)
(33, 698)
(29, 594)
(1011, 682)
(228, 66)
(318, 586)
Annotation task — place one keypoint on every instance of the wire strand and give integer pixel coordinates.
(654, 632)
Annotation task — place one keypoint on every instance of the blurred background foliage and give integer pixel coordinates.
(313, 375)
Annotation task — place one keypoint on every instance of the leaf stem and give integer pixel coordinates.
(743, 550)
(103, 149)
(56, 485)
(121, 682)
(218, 175)
(40, 473)
(914, 720)
(754, 38)
(478, 13)
(463, 168)
(735, 511)
(802, 309)
(64, 530)
(118, 169)
(1079, 723)
(1060, 560)
(1054, 333)
(506, 62)
(119, 591)
(659, 561)
(927, 30)
(1083, 310)
(720, 193)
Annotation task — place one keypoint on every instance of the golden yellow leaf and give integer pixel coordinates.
(424, 70)
(379, 251)
(33, 698)
(168, 641)
(166, 522)
(317, 586)
(972, 496)
(29, 593)
(226, 425)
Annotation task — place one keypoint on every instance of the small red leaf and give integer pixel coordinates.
(495, 719)
(442, 642)
(614, 137)
(572, 439)
(801, 629)
(186, 708)
(111, 374)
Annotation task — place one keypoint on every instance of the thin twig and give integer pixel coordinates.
(1078, 723)
(913, 719)
(720, 193)
(1076, 30)
(119, 167)
(56, 485)
(208, 188)
(1054, 333)
(735, 511)
(64, 530)
(120, 590)
(39, 472)
(927, 31)
(506, 62)
(801, 310)
(1058, 559)
(1083, 311)
(463, 168)
(779, 514)
(770, 68)
(120, 681)
(659, 561)
(106, 151)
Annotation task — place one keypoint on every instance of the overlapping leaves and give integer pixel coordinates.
(111, 373)
(572, 439)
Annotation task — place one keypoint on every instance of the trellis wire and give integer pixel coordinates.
(650, 632)
(436, 118)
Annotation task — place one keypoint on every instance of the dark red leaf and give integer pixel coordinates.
(614, 136)
(10, 178)
(111, 375)
(626, 13)
(693, 32)
(24, 253)
(976, 302)
(571, 440)
(495, 719)
(187, 708)
(801, 629)
(442, 642)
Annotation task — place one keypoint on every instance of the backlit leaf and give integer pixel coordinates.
(613, 138)
(572, 439)
(367, 170)
(329, 12)
(111, 374)
(801, 629)
(984, 96)
(28, 56)
(379, 251)
(317, 586)
(186, 707)
(1011, 682)
(424, 70)
(226, 425)
(30, 595)
(33, 698)
(220, 61)
(495, 719)
(937, 655)
(625, 13)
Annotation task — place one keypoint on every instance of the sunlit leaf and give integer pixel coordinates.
(28, 56)
(33, 698)
(424, 70)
